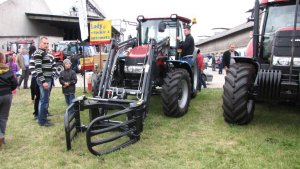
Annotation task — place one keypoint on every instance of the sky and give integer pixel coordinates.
(209, 13)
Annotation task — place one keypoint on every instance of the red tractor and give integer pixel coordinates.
(271, 70)
(63, 50)
(135, 69)
(74, 51)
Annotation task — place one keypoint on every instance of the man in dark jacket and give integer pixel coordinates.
(188, 45)
(68, 79)
(227, 56)
(8, 83)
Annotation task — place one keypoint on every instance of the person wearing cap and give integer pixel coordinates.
(68, 80)
(188, 45)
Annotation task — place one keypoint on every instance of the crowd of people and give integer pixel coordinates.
(40, 64)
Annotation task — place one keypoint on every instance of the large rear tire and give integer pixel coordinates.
(237, 105)
(176, 92)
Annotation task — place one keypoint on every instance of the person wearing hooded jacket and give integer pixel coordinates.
(68, 79)
(8, 83)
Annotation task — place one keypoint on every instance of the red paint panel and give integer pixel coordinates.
(139, 51)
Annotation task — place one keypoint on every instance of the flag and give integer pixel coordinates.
(83, 23)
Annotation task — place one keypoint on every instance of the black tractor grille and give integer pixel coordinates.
(282, 43)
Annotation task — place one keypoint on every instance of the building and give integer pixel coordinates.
(28, 20)
(239, 35)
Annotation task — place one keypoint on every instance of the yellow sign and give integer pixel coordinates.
(100, 32)
(89, 61)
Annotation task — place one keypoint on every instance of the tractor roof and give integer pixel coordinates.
(23, 41)
(68, 42)
(173, 16)
(273, 1)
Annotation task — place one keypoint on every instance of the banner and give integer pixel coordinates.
(83, 22)
(100, 32)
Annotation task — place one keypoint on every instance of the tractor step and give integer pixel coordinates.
(286, 85)
(294, 77)
(287, 95)
(289, 90)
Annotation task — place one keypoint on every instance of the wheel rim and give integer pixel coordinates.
(183, 94)
(59, 69)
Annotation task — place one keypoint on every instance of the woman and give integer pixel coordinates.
(13, 67)
(8, 83)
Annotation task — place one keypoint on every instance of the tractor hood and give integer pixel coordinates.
(139, 51)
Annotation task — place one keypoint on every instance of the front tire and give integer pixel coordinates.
(237, 105)
(176, 92)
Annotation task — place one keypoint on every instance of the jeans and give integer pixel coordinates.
(5, 104)
(214, 67)
(44, 101)
(200, 81)
(221, 68)
(69, 98)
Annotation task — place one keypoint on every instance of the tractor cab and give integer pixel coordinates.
(276, 39)
(17, 45)
(159, 28)
(168, 33)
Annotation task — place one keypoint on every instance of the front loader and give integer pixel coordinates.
(135, 69)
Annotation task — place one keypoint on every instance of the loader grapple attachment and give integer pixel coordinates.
(119, 124)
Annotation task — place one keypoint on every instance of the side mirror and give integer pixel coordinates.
(162, 26)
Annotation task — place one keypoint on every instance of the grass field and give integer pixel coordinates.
(200, 139)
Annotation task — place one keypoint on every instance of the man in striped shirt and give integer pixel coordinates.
(43, 68)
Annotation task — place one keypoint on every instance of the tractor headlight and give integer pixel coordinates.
(297, 62)
(285, 61)
(134, 69)
(281, 61)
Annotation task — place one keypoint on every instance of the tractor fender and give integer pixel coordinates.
(184, 63)
(240, 59)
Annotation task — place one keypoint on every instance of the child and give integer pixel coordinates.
(13, 67)
(68, 79)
